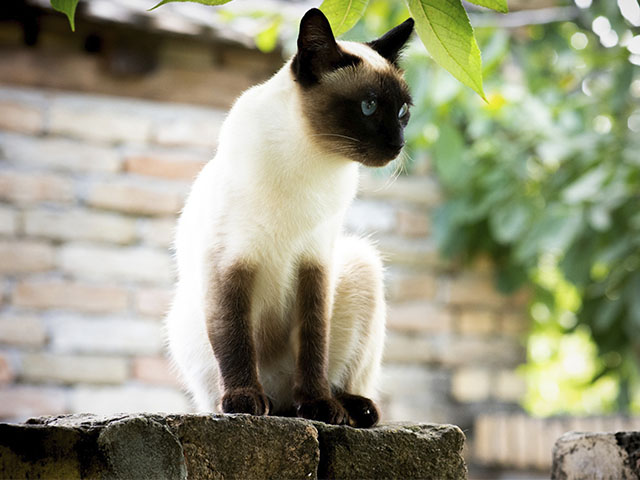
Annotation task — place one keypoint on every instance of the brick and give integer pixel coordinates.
(418, 316)
(153, 301)
(45, 367)
(30, 188)
(124, 196)
(105, 336)
(477, 322)
(165, 165)
(509, 386)
(403, 286)
(70, 295)
(22, 331)
(6, 371)
(491, 351)
(471, 385)
(366, 216)
(419, 190)
(20, 117)
(475, 290)
(19, 402)
(158, 232)
(155, 370)
(415, 392)
(77, 224)
(8, 221)
(124, 399)
(98, 120)
(58, 154)
(412, 223)
(189, 127)
(25, 256)
(412, 253)
(515, 323)
(400, 348)
(136, 264)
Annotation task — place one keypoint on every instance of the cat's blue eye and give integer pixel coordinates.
(403, 110)
(369, 106)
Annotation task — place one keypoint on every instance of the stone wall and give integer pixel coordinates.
(198, 447)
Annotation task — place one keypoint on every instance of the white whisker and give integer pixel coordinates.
(334, 135)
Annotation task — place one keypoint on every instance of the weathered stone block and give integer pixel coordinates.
(249, 447)
(419, 316)
(153, 301)
(610, 456)
(7, 221)
(391, 451)
(225, 446)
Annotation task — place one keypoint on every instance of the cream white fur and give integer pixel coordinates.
(272, 197)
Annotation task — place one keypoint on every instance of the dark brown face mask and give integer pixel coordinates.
(353, 109)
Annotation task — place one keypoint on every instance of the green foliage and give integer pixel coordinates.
(204, 2)
(545, 178)
(449, 38)
(68, 7)
(443, 27)
(343, 15)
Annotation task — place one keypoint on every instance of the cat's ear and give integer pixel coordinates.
(318, 51)
(391, 43)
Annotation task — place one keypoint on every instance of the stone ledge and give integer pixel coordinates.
(588, 455)
(229, 446)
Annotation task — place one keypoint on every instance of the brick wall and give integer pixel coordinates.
(89, 190)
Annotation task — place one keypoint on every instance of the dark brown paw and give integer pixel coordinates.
(245, 400)
(327, 410)
(362, 412)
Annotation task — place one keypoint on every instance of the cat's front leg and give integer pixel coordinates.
(312, 393)
(229, 329)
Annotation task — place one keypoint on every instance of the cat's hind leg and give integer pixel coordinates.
(192, 355)
(357, 329)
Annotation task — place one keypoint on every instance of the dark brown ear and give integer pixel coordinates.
(391, 43)
(318, 51)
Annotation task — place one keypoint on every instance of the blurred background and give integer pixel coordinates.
(511, 229)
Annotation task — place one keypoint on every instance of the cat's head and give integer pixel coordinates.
(353, 94)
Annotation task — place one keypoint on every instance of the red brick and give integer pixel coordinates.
(164, 165)
(155, 370)
(70, 296)
(153, 301)
(412, 223)
(20, 117)
(22, 330)
(25, 256)
(23, 188)
(135, 199)
(22, 402)
(6, 372)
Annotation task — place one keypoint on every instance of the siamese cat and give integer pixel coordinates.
(276, 310)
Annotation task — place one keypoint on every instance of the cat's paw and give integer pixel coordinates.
(362, 412)
(327, 410)
(245, 400)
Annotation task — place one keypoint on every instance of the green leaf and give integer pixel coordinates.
(509, 221)
(497, 5)
(68, 7)
(204, 2)
(343, 14)
(444, 28)
(267, 39)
